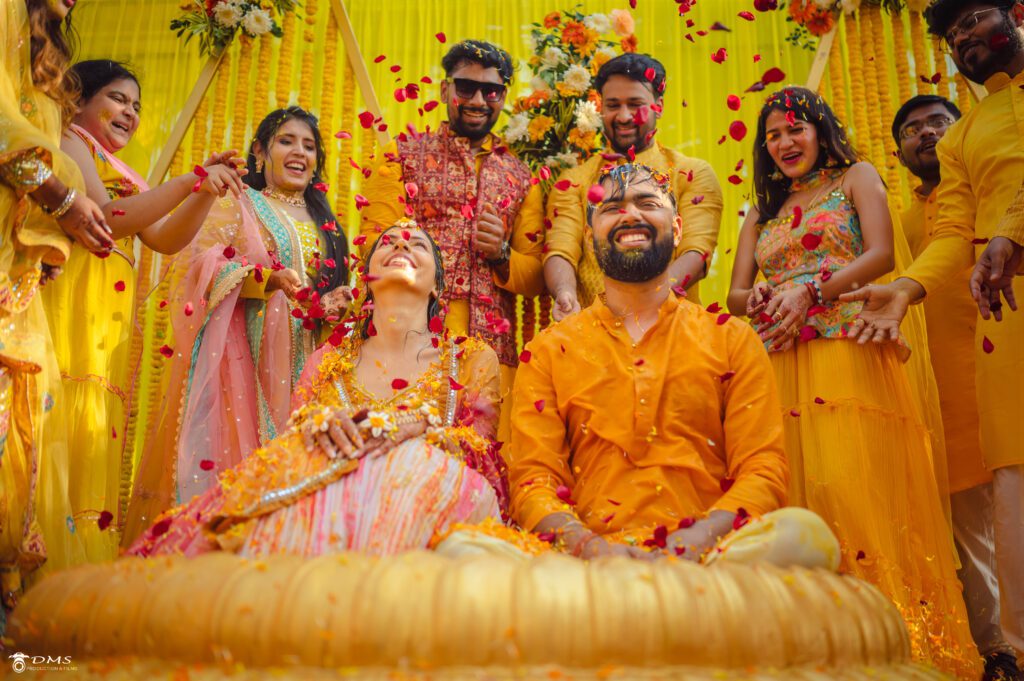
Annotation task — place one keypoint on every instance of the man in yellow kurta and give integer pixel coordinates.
(982, 162)
(951, 316)
(474, 197)
(643, 419)
(632, 90)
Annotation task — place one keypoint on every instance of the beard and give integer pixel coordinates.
(462, 129)
(635, 265)
(998, 57)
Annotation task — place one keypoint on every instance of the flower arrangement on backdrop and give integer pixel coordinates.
(815, 18)
(217, 21)
(558, 124)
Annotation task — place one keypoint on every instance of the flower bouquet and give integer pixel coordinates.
(815, 18)
(556, 126)
(217, 21)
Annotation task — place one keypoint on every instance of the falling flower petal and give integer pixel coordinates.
(798, 215)
(737, 130)
(166, 351)
(733, 102)
(818, 400)
(525, 356)
(719, 56)
(441, 37)
(206, 465)
(119, 286)
(455, 385)
(650, 74)
(435, 324)
(725, 484)
(713, 308)
(726, 376)
(565, 494)
(735, 179)
(361, 202)
(343, 135)
(103, 522)
(563, 185)
(773, 75)
(749, 16)
(229, 252)
(595, 194)
(539, 405)
(366, 119)
(399, 384)
(987, 345)
(808, 333)
(723, 318)
(189, 309)
(810, 241)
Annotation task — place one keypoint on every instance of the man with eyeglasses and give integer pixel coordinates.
(952, 317)
(474, 197)
(632, 88)
(982, 164)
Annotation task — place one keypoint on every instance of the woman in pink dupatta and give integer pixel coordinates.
(391, 443)
(91, 310)
(251, 299)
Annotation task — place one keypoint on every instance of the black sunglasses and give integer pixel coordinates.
(467, 89)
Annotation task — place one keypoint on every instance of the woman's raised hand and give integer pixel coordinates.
(286, 280)
(759, 296)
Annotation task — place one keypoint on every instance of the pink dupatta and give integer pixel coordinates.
(234, 360)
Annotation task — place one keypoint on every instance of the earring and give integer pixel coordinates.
(259, 165)
(776, 175)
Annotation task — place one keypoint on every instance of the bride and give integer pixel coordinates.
(390, 442)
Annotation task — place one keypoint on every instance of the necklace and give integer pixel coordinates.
(815, 179)
(622, 317)
(291, 198)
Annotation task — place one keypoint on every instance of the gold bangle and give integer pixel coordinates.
(65, 205)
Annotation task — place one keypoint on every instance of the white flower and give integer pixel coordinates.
(227, 14)
(607, 52)
(538, 84)
(577, 78)
(517, 127)
(587, 117)
(598, 22)
(566, 159)
(257, 22)
(551, 57)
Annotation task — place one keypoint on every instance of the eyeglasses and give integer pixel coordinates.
(467, 89)
(965, 25)
(936, 122)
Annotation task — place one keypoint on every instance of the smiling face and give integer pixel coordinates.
(794, 148)
(627, 115)
(290, 161)
(984, 39)
(635, 227)
(403, 257)
(112, 114)
(474, 115)
(919, 134)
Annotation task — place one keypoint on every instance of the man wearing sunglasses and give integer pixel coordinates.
(632, 88)
(474, 197)
(952, 316)
(982, 162)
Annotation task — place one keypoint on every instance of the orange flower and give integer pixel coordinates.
(821, 23)
(595, 97)
(583, 140)
(580, 37)
(599, 60)
(539, 127)
(552, 20)
(629, 43)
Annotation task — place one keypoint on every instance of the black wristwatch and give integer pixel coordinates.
(503, 257)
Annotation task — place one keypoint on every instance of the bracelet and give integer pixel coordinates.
(65, 205)
(814, 288)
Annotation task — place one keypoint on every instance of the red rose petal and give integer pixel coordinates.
(103, 522)
(595, 194)
(686, 522)
(818, 400)
(719, 56)
(810, 241)
(726, 376)
(206, 465)
(525, 356)
(987, 345)
(565, 494)
(160, 528)
(713, 308)
(366, 119)
(455, 385)
(435, 324)
(749, 16)
(399, 384)
(229, 252)
(773, 75)
(117, 211)
(737, 130)
(441, 37)
(539, 405)
(723, 318)
(725, 484)
(563, 185)
(361, 202)
(735, 179)
(798, 216)
(166, 351)
(808, 333)
(733, 102)
(119, 286)
(189, 309)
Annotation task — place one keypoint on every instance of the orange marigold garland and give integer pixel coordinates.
(918, 41)
(285, 59)
(885, 111)
(261, 92)
(239, 117)
(327, 97)
(220, 113)
(858, 93)
(904, 78)
(873, 144)
(941, 71)
(343, 190)
(837, 81)
(964, 98)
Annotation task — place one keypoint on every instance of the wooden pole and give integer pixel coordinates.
(820, 62)
(355, 58)
(163, 163)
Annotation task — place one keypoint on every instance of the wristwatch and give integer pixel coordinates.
(503, 256)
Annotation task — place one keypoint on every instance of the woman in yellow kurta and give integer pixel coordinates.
(90, 307)
(40, 201)
(860, 454)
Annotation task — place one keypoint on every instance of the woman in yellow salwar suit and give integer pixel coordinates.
(859, 448)
(41, 205)
(91, 306)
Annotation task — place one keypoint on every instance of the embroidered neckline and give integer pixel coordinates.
(815, 179)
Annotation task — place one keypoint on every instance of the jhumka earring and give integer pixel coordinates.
(259, 165)
(776, 175)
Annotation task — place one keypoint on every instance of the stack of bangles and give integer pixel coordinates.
(65, 205)
(814, 288)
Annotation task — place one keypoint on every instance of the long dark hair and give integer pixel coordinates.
(771, 187)
(434, 306)
(93, 75)
(334, 240)
(51, 47)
